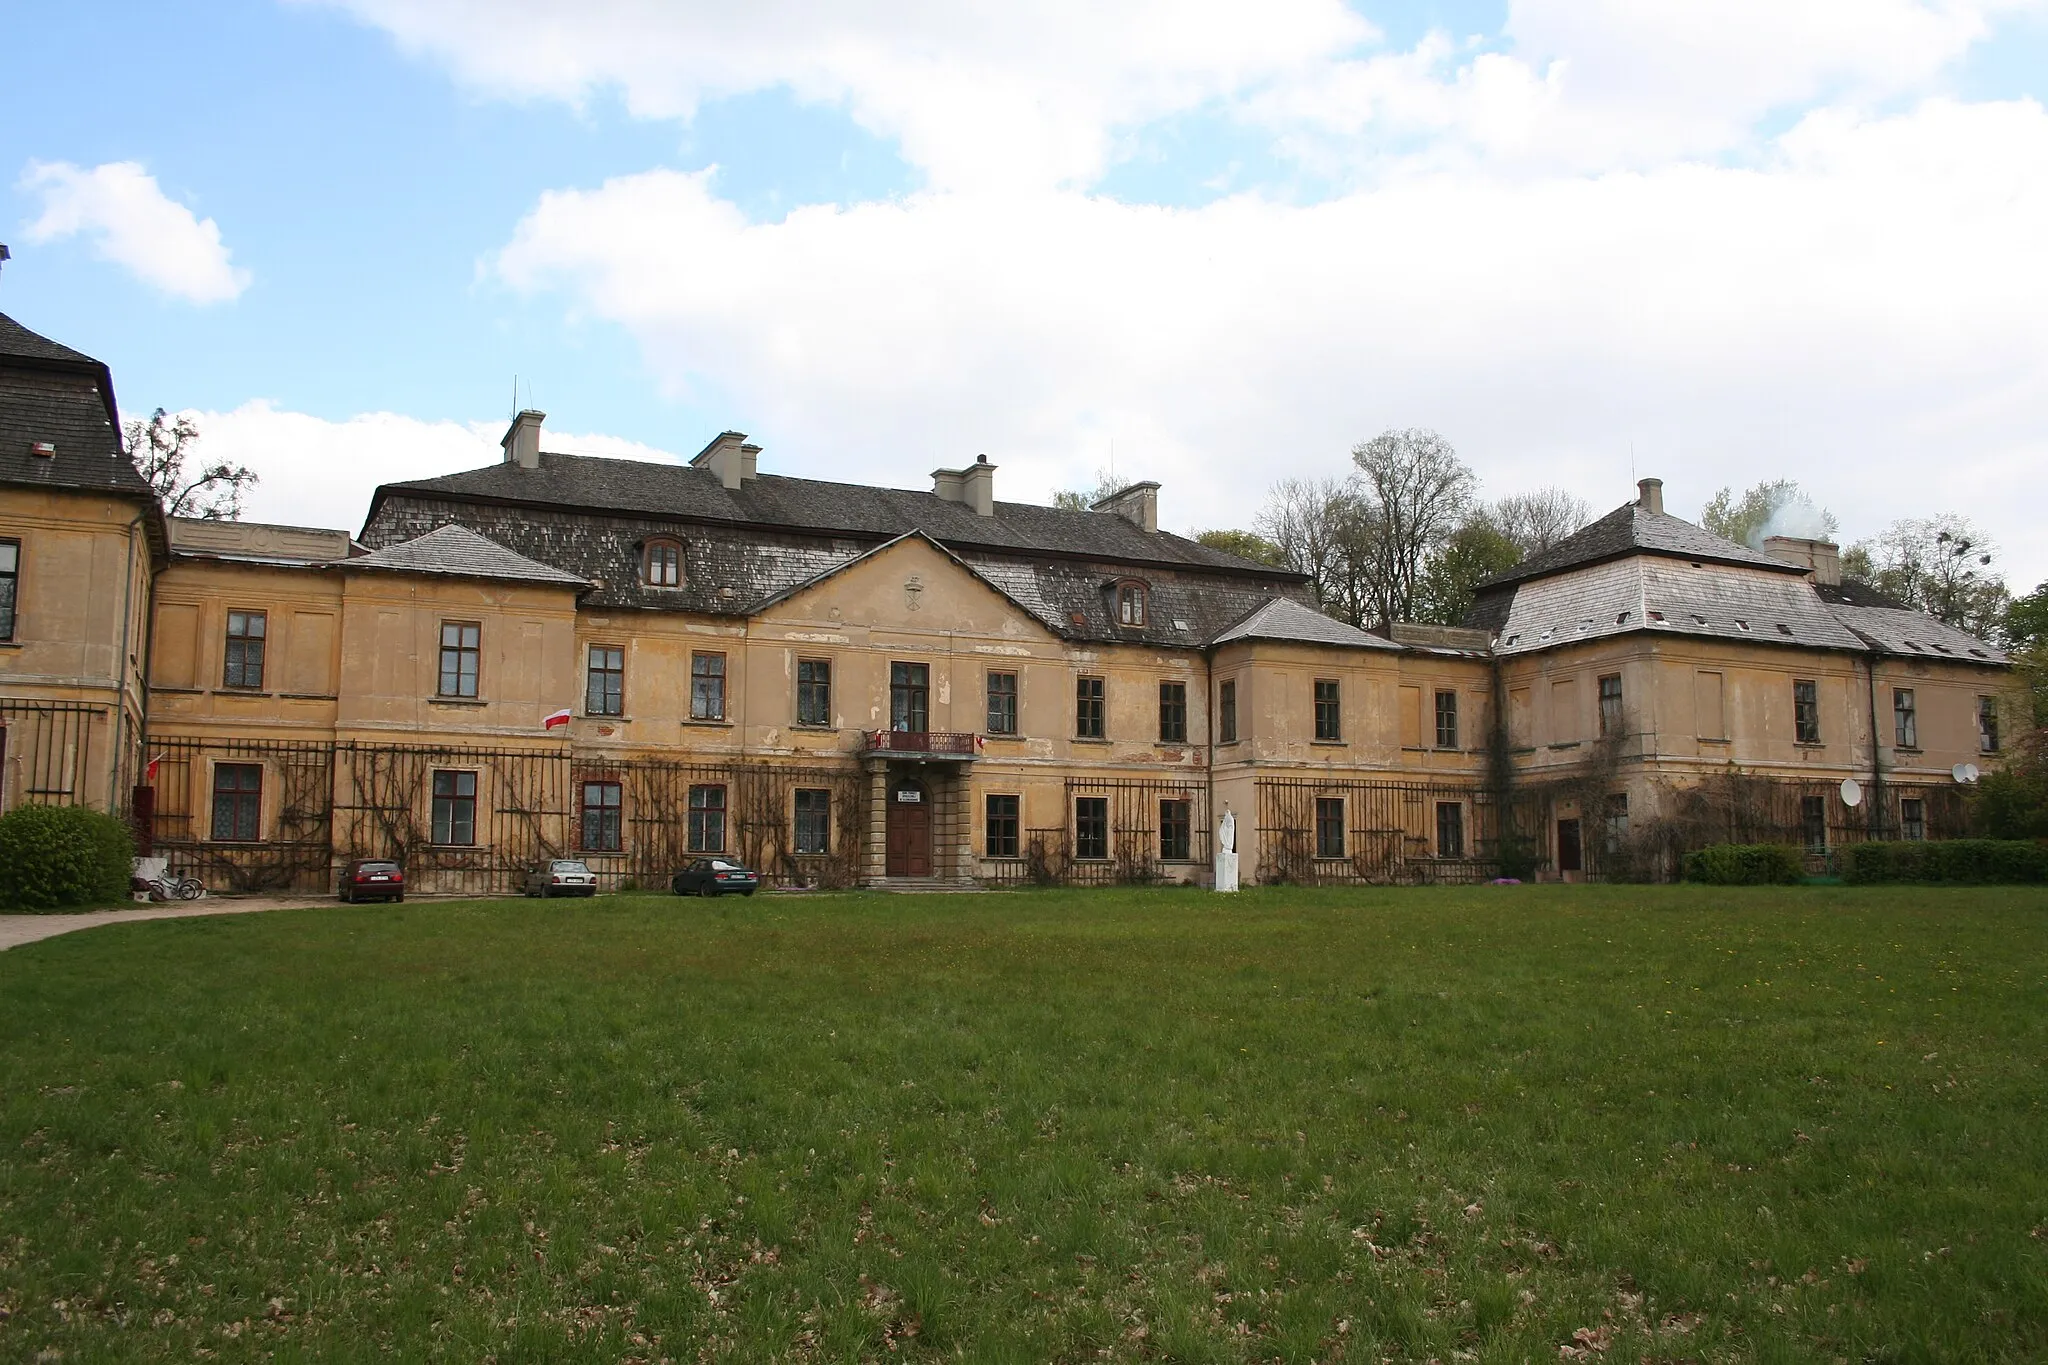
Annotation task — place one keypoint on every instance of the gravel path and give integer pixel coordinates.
(16, 930)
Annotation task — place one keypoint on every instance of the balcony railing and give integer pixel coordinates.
(926, 743)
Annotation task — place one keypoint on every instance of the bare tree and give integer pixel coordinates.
(1941, 565)
(159, 448)
(1310, 520)
(1536, 521)
(1412, 491)
(1107, 485)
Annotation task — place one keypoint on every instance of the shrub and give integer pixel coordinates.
(1964, 861)
(1746, 865)
(57, 856)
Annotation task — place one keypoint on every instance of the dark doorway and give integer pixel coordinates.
(1570, 858)
(909, 825)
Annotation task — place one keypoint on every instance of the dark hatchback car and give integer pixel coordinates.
(372, 879)
(714, 877)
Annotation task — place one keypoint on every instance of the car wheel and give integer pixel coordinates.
(399, 898)
(748, 892)
(344, 897)
(710, 889)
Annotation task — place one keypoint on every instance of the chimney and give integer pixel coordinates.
(1650, 495)
(522, 439)
(730, 457)
(1138, 504)
(1821, 559)
(974, 485)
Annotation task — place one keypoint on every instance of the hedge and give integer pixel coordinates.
(1746, 865)
(1966, 861)
(52, 857)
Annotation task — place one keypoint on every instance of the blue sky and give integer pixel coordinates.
(1721, 243)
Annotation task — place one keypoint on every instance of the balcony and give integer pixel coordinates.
(939, 744)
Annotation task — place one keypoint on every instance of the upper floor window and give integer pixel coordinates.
(1905, 721)
(1806, 710)
(707, 687)
(1226, 712)
(1173, 713)
(1987, 725)
(1610, 704)
(662, 566)
(1130, 604)
(461, 648)
(1002, 705)
(1447, 720)
(454, 810)
(237, 801)
(245, 649)
(813, 692)
(910, 698)
(1088, 708)
(605, 694)
(10, 574)
(1329, 711)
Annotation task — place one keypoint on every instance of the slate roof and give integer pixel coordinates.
(1914, 634)
(1669, 596)
(647, 489)
(1631, 529)
(460, 552)
(1286, 619)
(19, 343)
(51, 393)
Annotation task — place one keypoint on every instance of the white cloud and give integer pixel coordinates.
(317, 472)
(134, 225)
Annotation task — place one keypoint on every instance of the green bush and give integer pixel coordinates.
(1966, 861)
(52, 857)
(1746, 865)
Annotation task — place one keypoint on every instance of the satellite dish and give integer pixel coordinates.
(1852, 792)
(1964, 772)
(1970, 772)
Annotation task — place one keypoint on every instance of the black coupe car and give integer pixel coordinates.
(714, 877)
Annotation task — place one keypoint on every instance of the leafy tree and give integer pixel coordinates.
(1107, 485)
(1536, 521)
(1412, 492)
(1941, 565)
(2026, 639)
(159, 447)
(1476, 551)
(2011, 802)
(1748, 519)
(1245, 545)
(55, 856)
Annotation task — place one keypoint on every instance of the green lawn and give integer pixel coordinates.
(1468, 1124)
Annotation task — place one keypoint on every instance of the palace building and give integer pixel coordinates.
(639, 663)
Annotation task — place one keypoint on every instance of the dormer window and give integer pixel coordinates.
(1130, 603)
(662, 565)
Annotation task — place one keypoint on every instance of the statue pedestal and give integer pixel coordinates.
(1226, 870)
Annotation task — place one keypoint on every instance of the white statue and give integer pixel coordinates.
(1226, 852)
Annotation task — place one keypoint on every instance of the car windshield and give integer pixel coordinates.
(566, 865)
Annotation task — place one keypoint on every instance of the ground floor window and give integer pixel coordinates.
(1001, 829)
(1091, 827)
(813, 820)
(1813, 822)
(1329, 826)
(1450, 829)
(1617, 820)
(707, 819)
(237, 801)
(1912, 818)
(601, 832)
(1176, 831)
(454, 807)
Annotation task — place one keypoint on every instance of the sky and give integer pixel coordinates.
(1210, 244)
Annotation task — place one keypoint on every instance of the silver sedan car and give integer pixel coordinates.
(562, 877)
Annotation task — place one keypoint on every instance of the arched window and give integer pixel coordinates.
(662, 564)
(1130, 603)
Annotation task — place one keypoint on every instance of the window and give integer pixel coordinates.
(1610, 705)
(237, 801)
(1226, 713)
(1176, 831)
(910, 694)
(1091, 827)
(1450, 829)
(454, 807)
(461, 643)
(601, 833)
(10, 574)
(1905, 725)
(1987, 725)
(1003, 826)
(1813, 822)
(1806, 711)
(1913, 819)
(664, 567)
(1088, 708)
(1002, 703)
(245, 649)
(813, 692)
(1617, 821)
(1447, 720)
(605, 694)
(1329, 713)
(813, 820)
(1173, 713)
(1130, 604)
(707, 687)
(707, 819)
(1329, 826)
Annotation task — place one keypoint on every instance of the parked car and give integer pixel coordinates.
(714, 877)
(372, 879)
(562, 877)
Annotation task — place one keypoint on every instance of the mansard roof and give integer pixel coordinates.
(459, 552)
(54, 396)
(643, 488)
(1634, 529)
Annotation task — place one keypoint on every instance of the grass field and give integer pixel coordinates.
(1605, 1123)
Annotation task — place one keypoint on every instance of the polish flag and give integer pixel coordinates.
(556, 720)
(149, 772)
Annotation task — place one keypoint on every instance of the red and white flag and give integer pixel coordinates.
(559, 718)
(149, 770)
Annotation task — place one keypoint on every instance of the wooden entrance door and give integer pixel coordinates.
(910, 830)
(1570, 857)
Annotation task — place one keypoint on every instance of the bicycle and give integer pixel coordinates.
(170, 888)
